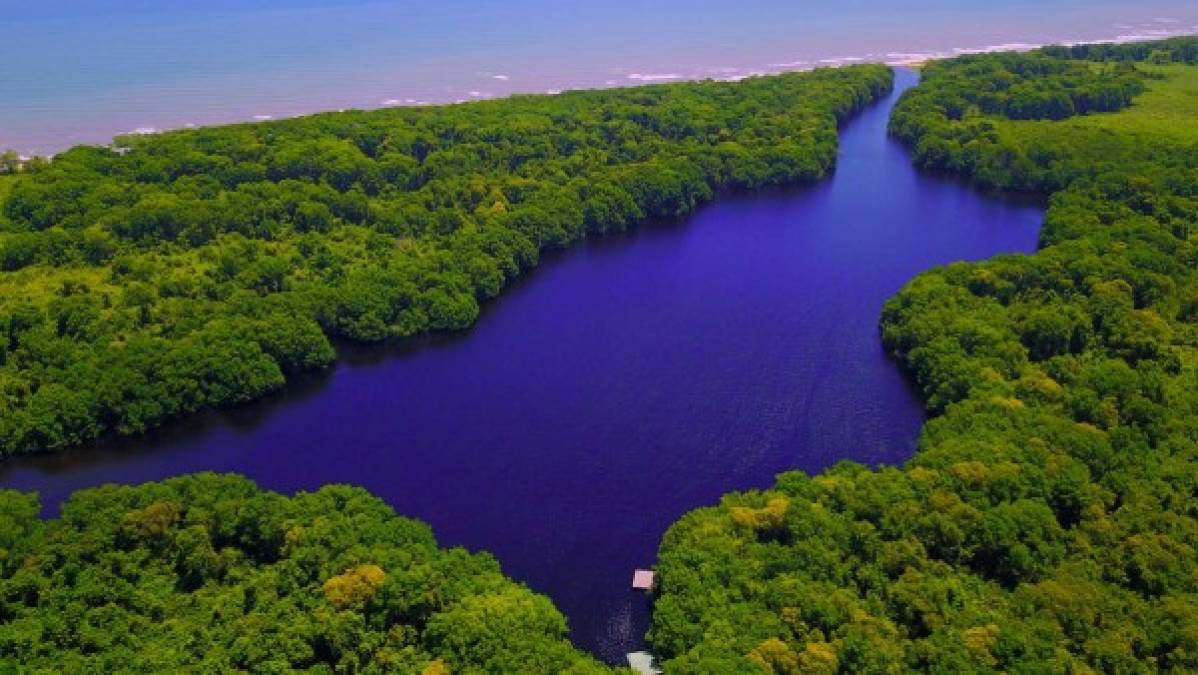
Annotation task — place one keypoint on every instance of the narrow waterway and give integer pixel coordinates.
(624, 383)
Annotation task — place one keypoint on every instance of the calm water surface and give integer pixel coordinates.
(75, 71)
(621, 385)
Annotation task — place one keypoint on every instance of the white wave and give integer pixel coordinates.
(263, 118)
(392, 101)
(790, 64)
(1149, 34)
(504, 78)
(654, 77)
(1003, 47)
(912, 58)
(143, 131)
(1145, 33)
(1139, 36)
(553, 92)
(744, 76)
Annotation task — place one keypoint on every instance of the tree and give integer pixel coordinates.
(10, 161)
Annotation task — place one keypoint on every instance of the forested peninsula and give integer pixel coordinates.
(202, 268)
(1048, 521)
(208, 573)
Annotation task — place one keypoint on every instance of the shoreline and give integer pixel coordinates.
(633, 78)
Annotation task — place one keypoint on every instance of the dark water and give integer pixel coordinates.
(625, 383)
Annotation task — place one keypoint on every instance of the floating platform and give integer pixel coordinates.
(642, 580)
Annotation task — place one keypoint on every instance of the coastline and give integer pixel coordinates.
(508, 85)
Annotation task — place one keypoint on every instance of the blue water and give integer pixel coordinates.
(624, 383)
(76, 71)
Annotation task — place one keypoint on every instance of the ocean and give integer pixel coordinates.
(82, 71)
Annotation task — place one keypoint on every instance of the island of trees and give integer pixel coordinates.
(203, 268)
(1047, 523)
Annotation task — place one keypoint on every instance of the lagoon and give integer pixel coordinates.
(623, 383)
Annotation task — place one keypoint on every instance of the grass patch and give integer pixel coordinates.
(1166, 113)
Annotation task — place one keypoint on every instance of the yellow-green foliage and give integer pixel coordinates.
(768, 517)
(355, 587)
(155, 520)
(775, 656)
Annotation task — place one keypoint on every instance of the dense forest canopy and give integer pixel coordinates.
(205, 267)
(1048, 522)
(208, 573)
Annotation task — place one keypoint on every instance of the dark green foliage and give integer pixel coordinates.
(1048, 521)
(201, 268)
(209, 574)
(1173, 50)
(1023, 86)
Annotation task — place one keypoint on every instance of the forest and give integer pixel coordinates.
(208, 573)
(1048, 522)
(204, 268)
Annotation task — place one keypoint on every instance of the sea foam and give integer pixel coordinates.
(654, 77)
